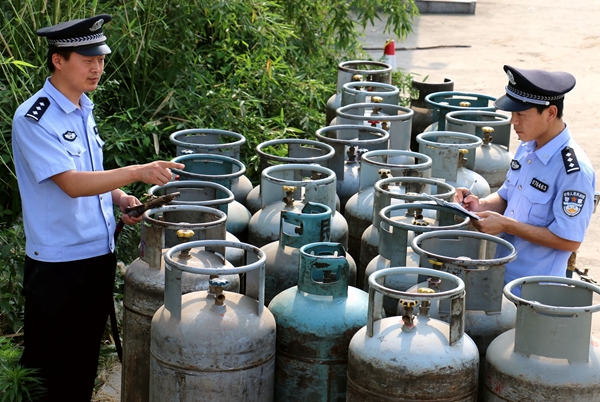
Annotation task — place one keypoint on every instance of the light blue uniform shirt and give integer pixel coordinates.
(540, 191)
(51, 135)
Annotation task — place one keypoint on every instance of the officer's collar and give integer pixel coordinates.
(552, 147)
(63, 102)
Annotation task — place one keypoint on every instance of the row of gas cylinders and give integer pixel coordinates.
(358, 188)
(323, 340)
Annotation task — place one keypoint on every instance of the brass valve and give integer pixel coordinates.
(357, 77)
(462, 158)
(487, 134)
(384, 173)
(289, 195)
(425, 304)
(184, 235)
(216, 285)
(465, 104)
(408, 318)
(351, 153)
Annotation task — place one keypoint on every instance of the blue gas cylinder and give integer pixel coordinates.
(315, 323)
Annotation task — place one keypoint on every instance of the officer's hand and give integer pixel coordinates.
(158, 172)
(470, 202)
(490, 222)
(129, 201)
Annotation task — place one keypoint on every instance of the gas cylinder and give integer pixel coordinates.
(396, 120)
(444, 102)
(315, 322)
(447, 149)
(349, 141)
(162, 228)
(391, 191)
(399, 224)
(415, 358)
(492, 159)
(212, 345)
(196, 192)
(423, 112)
(282, 151)
(356, 70)
(310, 225)
(289, 188)
(463, 253)
(375, 166)
(364, 92)
(219, 142)
(223, 170)
(551, 354)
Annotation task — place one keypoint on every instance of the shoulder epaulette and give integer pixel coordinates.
(570, 160)
(38, 109)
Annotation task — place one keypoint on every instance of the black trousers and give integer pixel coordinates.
(66, 308)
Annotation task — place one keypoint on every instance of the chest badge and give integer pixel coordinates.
(70, 136)
(515, 165)
(572, 203)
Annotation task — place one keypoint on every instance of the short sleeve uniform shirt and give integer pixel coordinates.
(50, 136)
(551, 187)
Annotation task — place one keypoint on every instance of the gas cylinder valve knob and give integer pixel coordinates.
(184, 235)
(434, 283)
(462, 156)
(186, 152)
(465, 104)
(351, 153)
(425, 304)
(487, 134)
(408, 318)
(289, 195)
(218, 284)
(357, 77)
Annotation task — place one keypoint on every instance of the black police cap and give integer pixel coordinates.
(83, 36)
(530, 88)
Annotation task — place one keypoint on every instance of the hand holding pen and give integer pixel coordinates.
(469, 191)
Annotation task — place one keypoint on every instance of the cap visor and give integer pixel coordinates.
(510, 105)
(96, 50)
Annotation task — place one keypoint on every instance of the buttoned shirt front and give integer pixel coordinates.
(50, 136)
(550, 187)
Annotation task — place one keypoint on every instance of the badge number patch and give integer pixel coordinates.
(543, 187)
(572, 203)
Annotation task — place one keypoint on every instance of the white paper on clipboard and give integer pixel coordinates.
(453, 205)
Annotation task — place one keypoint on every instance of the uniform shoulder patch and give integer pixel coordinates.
(570, 160)
(38, 109)
(572, 202)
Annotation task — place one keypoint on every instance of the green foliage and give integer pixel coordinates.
(17, 383)
(261, 68)
(12, 260)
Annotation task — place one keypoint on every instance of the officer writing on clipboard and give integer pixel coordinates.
(545, 204)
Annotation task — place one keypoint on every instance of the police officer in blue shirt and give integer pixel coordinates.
(545, 204)
(67, 200)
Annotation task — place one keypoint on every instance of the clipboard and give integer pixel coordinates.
(452, 205)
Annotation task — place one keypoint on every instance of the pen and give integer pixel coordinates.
(468, 191)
